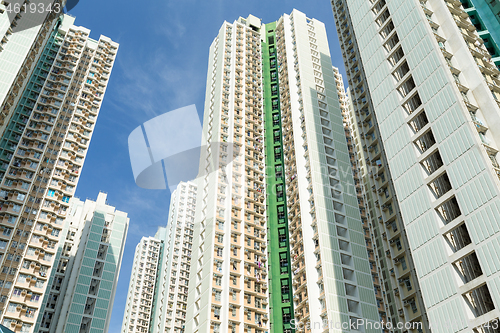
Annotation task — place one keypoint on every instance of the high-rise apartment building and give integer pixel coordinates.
(20, 48)
(331, 278)
(88, 259)
(157, 295)
(171, 304)
(228, 289)
(302, 264)
(425, 94)
(42, 151)
(138, 310)
(369, 229)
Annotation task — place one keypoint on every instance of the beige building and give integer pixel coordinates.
(158, 290)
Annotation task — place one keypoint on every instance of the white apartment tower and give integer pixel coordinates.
(370, 231)
(42, 151)
(141, 290)
(22, 40)
(88, 264)
(228, 290)
(420, 73)
(332, 279)
(275, 131)
(157, 295)
(171, 307)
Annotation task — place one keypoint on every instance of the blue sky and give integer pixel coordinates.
(161, 66)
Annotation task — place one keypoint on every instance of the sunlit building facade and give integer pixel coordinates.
(42, 150)
(426, 92)
(20, 49)
(277, 141)
(370, 230)
(88, 260)
(158, 291)
(143, 283)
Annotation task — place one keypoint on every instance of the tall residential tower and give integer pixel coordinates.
(426, 96)
(279, 242)
(22, 41)
(42, 151)
(88, 260)
(157, 295)
(370, 231)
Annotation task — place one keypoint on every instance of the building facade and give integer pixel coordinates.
(157, 295)
(83, 285)
(370, 230)
(426, 93)
(171, 304)
(485, 16)
(331, 267)
(20, 48)
(228, 289)
(138, 310)
(390, 244)
(42, 151)
(274, 126)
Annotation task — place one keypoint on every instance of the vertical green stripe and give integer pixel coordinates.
(277, 223)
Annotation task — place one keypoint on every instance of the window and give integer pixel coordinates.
(217, 296)
(12, 307)
(278, 171)
(26, 264)
(31, 251)
(413, 306)
(30, 313)
(398, 244)
(402, 260)
(408, 284)
(26, 328)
